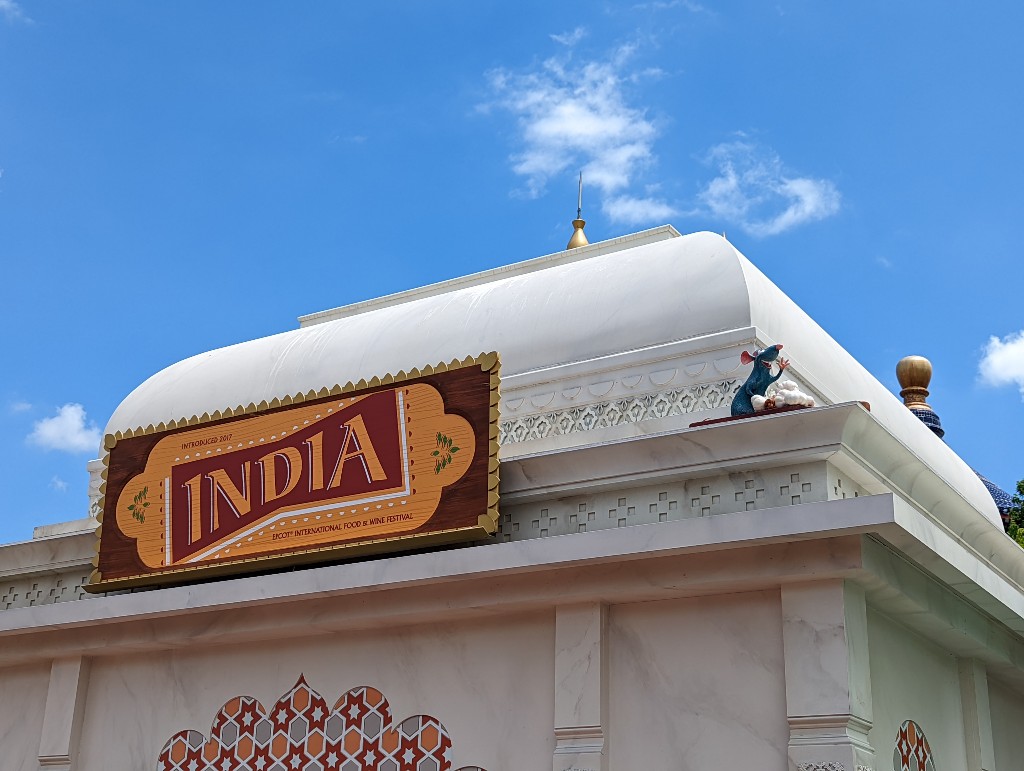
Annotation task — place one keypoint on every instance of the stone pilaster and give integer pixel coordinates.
(581, 688)
(62, 716)
(828, 684)
(977, 715)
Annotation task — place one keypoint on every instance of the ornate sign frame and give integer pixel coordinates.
(399, 462)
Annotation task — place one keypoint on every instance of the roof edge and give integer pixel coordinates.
(564, 257)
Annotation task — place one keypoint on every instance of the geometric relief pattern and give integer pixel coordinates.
(302, 734)
(677, 401)
(912, 752)
(671, 501)
(43, 589)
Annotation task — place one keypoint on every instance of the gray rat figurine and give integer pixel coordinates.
(760, 378)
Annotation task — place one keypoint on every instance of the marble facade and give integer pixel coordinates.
(785, 593)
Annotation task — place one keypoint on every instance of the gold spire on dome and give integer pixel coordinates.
(914, 374)
(579, 238)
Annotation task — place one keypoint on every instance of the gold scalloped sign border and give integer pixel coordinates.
(487, 521)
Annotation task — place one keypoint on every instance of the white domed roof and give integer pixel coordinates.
(547, 312)
(624, 295)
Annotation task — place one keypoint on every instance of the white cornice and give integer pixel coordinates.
(564, 257)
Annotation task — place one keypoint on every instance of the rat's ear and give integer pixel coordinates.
(746, 358)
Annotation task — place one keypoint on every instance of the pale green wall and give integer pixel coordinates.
(912, 679)
(1007, 727)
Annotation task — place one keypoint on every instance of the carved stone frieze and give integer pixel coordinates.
(614, 412)
(43, 589)
(671, 500)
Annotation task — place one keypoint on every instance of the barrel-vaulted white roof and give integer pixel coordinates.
(631, 293)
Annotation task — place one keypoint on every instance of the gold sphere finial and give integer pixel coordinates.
(914, 374)
(579, 238)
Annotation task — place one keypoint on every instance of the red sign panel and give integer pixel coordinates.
(365, 469)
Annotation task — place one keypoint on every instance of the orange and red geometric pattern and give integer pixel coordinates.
(912, 751)
(302, 734)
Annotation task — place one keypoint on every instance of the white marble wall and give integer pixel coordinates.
(913, 679)
(630, 648)
(685, 683)
(698, 684)
(22, 702)
(488, 682)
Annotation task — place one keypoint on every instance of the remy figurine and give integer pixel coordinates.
(760, 378)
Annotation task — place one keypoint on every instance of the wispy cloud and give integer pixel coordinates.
(67, 431)
(578, 114)
(570, 38)
(755, 191)
(19, 406)
(883, 261)
(1003, 362)
(58, 484)
(12, 12)
(665, 5)
(635, 211)
(354, 139)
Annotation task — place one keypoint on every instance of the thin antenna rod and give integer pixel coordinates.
(579, 200)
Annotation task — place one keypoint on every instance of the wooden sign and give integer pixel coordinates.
(403, 462)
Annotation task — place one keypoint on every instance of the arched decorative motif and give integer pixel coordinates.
(912, 752)
(302, 734)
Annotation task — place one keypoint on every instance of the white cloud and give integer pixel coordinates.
(58, 484)
(664, 5)
(577, 115)
(633, 211)
(19, 406)
(12, 12)
(1003, 362)
(67, 431)
(570, 38)
(755, 191)
(355, 139)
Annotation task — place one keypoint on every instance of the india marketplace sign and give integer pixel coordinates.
(403, 462)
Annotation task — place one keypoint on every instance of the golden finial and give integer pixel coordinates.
(579, 238)
(914, 374)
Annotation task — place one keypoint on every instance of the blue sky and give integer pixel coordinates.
(181, 176)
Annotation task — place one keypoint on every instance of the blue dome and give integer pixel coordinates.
(1002, 498)
(930, 419)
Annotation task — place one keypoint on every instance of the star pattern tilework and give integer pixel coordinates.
(912, 752)
(301, 733)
